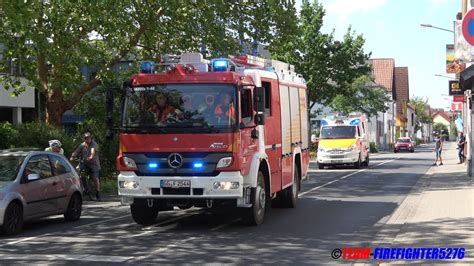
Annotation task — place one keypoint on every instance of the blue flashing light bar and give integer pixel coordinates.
(198, 165)
(355, 122)
(147, 67)
(220, 64)
(153, 165)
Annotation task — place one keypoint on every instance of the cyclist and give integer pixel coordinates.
(55, 146)
(89, 152)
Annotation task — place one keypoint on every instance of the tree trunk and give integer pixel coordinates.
(55, 108)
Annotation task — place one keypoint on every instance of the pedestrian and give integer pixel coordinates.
(89, 152)
(438, 149)
(55, 146)
(461, 142)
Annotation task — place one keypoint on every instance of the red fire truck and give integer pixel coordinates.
(229, 132)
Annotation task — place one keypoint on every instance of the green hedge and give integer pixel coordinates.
(373, 147)
(37, 135)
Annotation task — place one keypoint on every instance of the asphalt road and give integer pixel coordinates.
(337, 208)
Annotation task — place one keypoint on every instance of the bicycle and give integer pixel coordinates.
(86, 183)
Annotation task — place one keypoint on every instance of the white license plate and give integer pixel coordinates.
(337, 161)
(175, 183)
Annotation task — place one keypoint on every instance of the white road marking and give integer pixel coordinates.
(65, 257)
(344, 177)
(52, 233)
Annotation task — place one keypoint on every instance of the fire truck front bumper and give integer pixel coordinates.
(226, 185)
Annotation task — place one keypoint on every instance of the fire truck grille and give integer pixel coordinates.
(193, 164)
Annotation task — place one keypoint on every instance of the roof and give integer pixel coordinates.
(383, 70)
(402, 86)
(444, 115)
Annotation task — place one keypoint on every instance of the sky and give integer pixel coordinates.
(392, 29)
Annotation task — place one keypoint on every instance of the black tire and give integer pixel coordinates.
(13, 219)
(291, 193)
(395, 151)
(321, 166)
(260, 202)
(358, 164)
(74, 208)
(142, 214)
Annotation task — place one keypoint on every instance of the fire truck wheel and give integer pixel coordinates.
(255, 214)
(291, 193)
(142, 214)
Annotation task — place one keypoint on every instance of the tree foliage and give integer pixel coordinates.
(53, 40)
(329, 67)
(423, 117)
(364, 97)
(441, 129)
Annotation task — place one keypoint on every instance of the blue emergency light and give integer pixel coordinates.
(221, 64)
(355, 122)
(147, 67)
(198, 165)
(152, 165)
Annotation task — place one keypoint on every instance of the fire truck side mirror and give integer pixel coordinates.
(259, 99)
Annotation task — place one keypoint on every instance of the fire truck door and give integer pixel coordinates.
(272, 131)
(249, 145)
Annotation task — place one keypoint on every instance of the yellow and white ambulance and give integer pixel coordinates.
(344, 141)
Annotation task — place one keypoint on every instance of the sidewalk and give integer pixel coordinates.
(439, 212)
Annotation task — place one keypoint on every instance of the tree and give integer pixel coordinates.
(329, 66)
(441, 130)
(53, 40)
(423, 117)
(365, 98)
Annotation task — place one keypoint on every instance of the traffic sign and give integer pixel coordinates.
(468, 27)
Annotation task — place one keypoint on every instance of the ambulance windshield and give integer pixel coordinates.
(338, 132)
(180, 108)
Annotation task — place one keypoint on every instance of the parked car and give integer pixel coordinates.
(404, 144)
(35, 184)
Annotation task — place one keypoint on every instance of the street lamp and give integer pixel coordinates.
(444, 76)
(434, 27)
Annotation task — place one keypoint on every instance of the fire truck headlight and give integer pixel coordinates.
(224, 162)
(226, 185)
(128, 184)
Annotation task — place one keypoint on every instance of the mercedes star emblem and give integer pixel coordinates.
(175, 160)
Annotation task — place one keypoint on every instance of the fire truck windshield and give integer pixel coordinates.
(338, 132)
(180, 108)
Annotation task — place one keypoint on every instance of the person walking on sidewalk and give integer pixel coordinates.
(89, 152)
(438, 150)
(461, 143)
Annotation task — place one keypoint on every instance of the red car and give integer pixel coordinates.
(404, 144)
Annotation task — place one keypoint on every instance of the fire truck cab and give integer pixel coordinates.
(230, 132)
